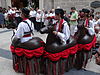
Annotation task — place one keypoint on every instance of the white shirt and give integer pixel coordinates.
(32, 13)
(98, 22)
(9, 11)
(91, 27)
(38, 17)
(65, 34)
(23, 27)
(17, 14)
(46, 20)
(51, 14)
(6, 16)
(13, 11)
(43, 16)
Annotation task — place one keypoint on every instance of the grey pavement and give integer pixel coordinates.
(6, 57)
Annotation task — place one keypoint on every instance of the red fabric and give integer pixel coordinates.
(27, 35)
(37, 52)
(16, 67)
(60, 25)
(19, 51)
(28, 53)
(12, 49)
(87, 46)
(73, 49)
(63, 54)
(86, 23)
(11, 16)
(25, 19)
(27, 69)
(52, 17)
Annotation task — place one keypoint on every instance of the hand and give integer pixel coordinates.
(55, 32)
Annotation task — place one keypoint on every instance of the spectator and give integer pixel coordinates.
(38, 20)
(73, 20)
(46, 20)
(97, 29)
(33, 16)
(1, 19)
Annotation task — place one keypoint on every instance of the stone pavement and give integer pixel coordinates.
(6, 57)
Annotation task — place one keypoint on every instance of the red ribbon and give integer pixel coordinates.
(60, 25)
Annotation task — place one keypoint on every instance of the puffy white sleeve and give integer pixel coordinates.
(20, 32)
(91, 31)
(65, 34)
(33, 27)
(91, 28)
(30, 13)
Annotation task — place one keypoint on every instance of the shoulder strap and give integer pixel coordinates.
(12, 35)
(29, 27)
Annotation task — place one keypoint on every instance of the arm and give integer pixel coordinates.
(19, 33)
(65, 34)
(91, 28)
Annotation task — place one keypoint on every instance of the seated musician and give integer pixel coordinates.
(61, 28)
(25, 28)
(88, 23)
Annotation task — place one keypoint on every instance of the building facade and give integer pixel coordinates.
(5, 3)
(49, 4)
(66, 4)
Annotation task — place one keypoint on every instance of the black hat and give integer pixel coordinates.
(73, 8)
(25, 11)
(86, 10)
(59, 11)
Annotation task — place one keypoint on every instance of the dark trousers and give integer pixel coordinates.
(39, 25)
(33, 19)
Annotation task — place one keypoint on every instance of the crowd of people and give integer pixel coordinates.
(41, 18)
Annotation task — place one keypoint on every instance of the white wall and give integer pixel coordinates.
(0, 3)
(41, 4)
(8, 2)
(5, 3)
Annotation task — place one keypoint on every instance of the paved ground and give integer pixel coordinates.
(6, 57)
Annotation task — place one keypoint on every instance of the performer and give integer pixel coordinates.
(25, 28)
(25, 48)
(61, 31)
(1, 19)
(88, 22)
(38, 20)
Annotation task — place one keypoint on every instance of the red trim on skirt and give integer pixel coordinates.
(87, 46)
(63, 54)
(28, 53)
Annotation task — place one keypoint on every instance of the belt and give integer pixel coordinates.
(28, 35)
